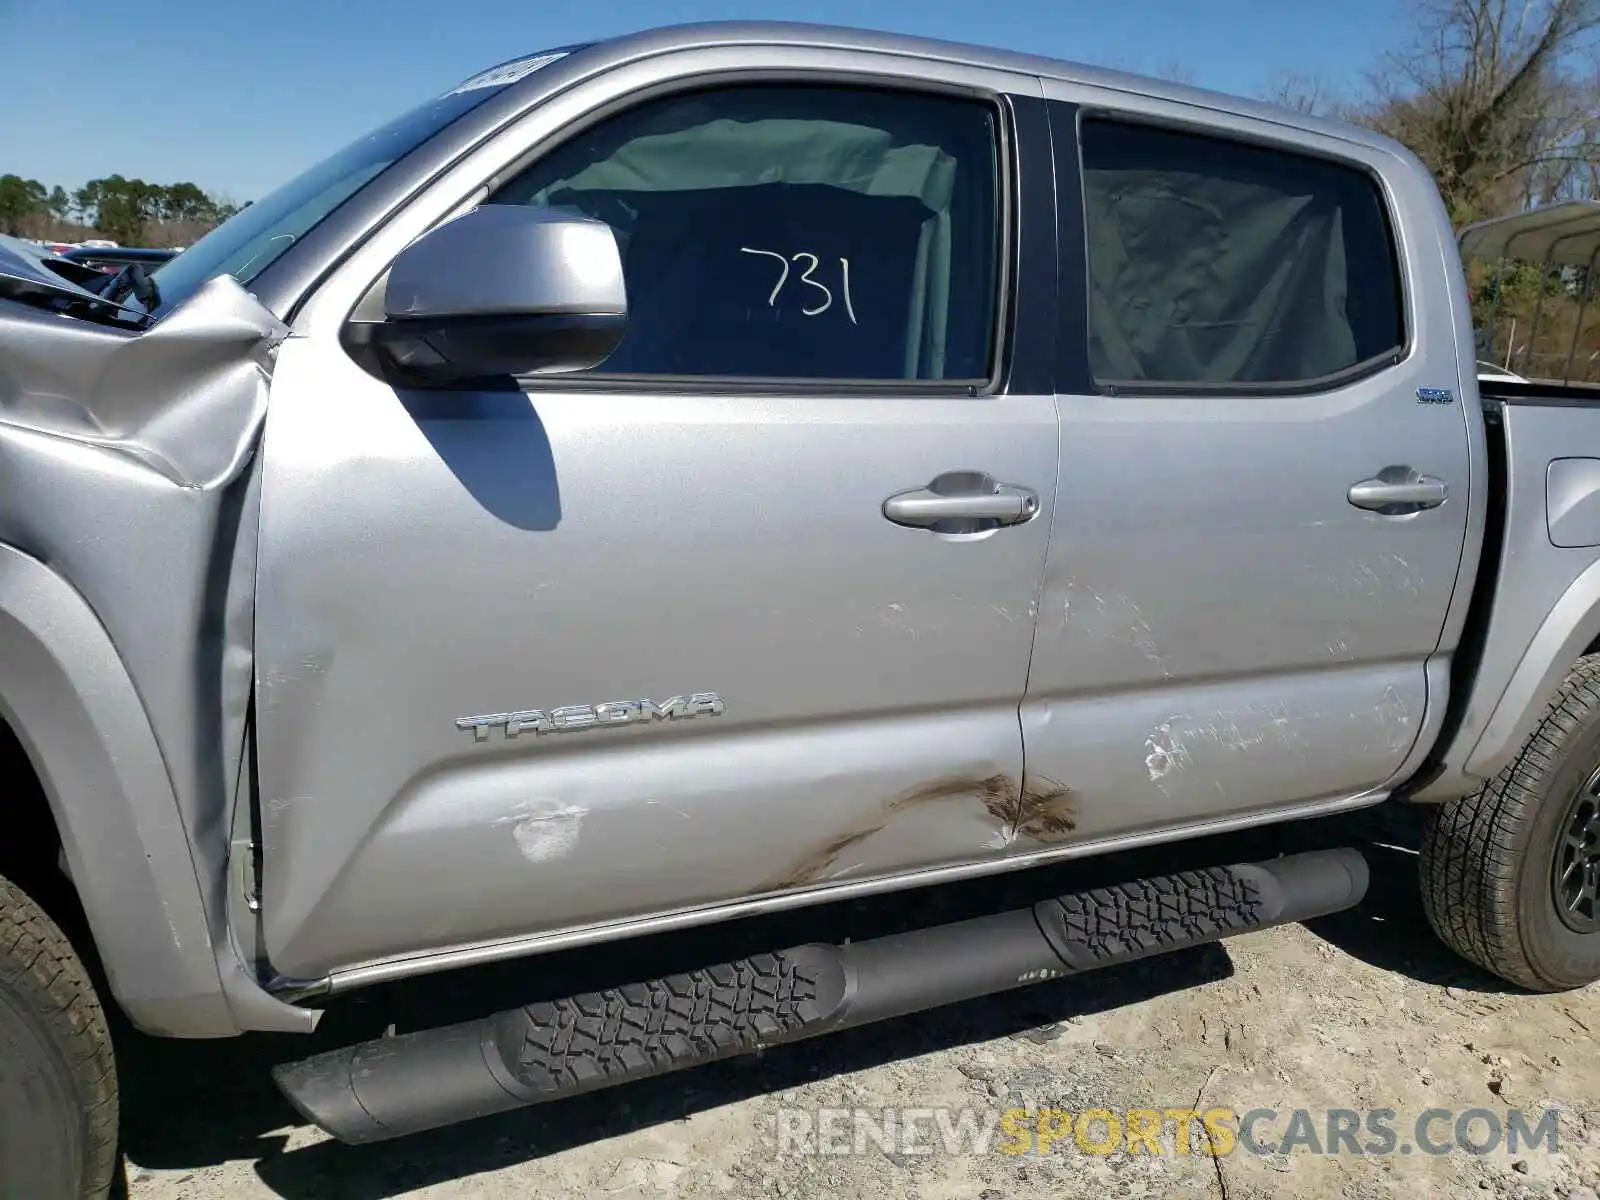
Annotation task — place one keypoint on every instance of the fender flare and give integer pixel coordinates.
(73, 706)
(1568, 629)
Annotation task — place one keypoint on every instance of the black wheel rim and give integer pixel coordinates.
(1576, 877)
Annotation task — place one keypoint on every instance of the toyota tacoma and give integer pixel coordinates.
(737, 467)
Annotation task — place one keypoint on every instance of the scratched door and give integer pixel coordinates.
(814, 277)
(1223, 630)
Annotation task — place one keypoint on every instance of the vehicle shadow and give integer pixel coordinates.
(373, 1172)
(495, 444)
(195, 1104)
(189, 1105)
(1389, 928)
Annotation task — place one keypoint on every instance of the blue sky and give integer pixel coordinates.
(238, 95)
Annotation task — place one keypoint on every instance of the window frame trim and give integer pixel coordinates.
(1009, 204)
(1389, 359)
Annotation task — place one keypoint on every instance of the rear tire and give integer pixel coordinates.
(58, 1080)
(1511, 874)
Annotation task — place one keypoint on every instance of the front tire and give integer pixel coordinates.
(1511, 874)
(58, 1080)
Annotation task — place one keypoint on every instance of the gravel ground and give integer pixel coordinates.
(1358, 1011)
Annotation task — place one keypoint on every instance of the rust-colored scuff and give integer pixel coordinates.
(816, 861)
(1041, 809)
(807, 869)
(1044, 810)
(954, 787)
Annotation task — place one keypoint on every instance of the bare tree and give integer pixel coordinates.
(1175, 70)
(1306, 93)
(1501, 98)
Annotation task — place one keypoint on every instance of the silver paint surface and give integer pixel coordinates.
(359, 975)
(181, 399)
(857, 659)
(1572, 502)
(541, 261)
(122, 467)
(568, 543)
(1226, 643)
(1231, 632)
(535, 514)
(1546, 609)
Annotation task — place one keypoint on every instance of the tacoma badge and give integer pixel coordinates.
(591, 716)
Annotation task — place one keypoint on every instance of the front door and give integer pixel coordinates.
(748, 609)
(1264, 485)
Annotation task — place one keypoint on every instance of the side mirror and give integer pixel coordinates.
(504, 289)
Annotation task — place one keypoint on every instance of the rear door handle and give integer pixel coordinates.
(1396, 491)
(962, 501)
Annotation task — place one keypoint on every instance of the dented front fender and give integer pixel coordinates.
(127, 518)
(183, 399)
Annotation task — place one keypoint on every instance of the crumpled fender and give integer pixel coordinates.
(127, 579)
(174, 398)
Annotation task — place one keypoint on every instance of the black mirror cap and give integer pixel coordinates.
(459, 351)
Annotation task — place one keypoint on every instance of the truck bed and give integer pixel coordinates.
(1541, 559)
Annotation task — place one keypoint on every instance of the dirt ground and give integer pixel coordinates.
(1360, 1011)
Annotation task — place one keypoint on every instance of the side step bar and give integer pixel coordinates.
(399, 1085)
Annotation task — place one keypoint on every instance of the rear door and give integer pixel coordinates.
(744, 611)
(1263, 493)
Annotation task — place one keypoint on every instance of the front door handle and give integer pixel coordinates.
(1396, 491)
(962, 502)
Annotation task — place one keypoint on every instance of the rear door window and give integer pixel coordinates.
(1220, 263)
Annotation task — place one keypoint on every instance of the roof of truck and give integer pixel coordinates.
(1558, 234)
(707, 34)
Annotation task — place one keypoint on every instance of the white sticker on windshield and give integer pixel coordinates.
(507, 73)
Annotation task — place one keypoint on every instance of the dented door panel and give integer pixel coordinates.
(558, 659)
(533, 841)
(1203, 655)
(436, 571)
(1221, 631)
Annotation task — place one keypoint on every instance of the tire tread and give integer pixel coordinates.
(580, 1042)
(1471, 855)
(39, 965)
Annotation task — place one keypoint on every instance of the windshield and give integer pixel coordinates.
(248, 243)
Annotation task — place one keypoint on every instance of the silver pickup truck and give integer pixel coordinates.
(736, 467)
